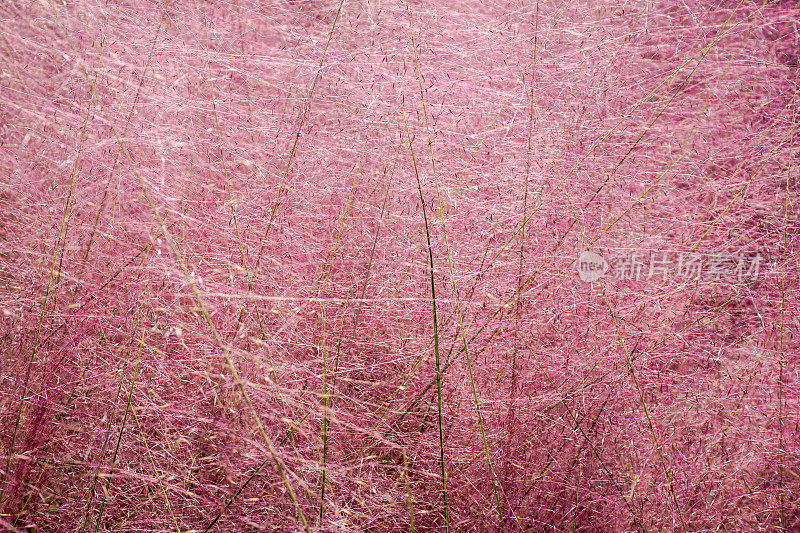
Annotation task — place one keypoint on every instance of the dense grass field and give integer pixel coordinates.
(399, 266)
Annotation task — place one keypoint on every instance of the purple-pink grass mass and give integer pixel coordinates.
(399, 266)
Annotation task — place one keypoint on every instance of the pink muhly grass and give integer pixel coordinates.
(312, 266)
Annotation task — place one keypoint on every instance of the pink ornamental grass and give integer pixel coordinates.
(312, 266)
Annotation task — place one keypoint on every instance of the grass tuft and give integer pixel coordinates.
(341, 238)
